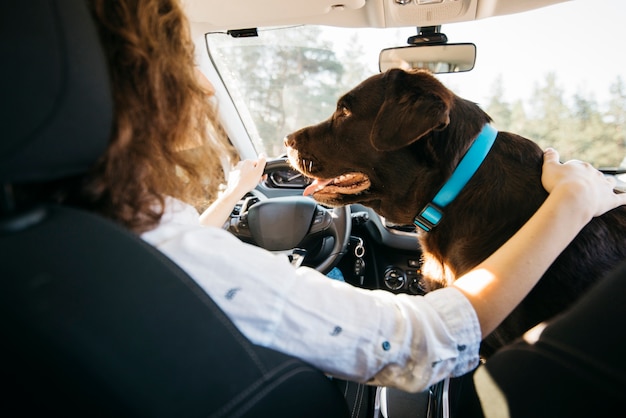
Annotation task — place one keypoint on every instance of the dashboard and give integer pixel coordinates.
(288, 178)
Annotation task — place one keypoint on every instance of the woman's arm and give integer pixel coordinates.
(243, 178)
(577, 193)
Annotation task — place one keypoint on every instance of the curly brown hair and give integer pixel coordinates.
(160, 109)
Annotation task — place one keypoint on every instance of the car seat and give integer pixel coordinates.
(574, 367)
(95, 322)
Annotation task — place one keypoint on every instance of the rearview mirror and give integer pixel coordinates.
(446, 58)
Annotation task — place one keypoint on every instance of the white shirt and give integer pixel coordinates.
(373, 336)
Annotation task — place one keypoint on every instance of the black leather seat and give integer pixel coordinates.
(575, 368)
(94, 321)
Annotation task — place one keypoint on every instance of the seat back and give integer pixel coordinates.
(95, 321)
(575, 368)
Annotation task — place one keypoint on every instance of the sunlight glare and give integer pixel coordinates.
(475, 281)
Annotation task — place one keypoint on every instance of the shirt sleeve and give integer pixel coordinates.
(373, 336)
(404, 341)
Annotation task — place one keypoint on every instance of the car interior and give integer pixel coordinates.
(99, 323)
(115, 329)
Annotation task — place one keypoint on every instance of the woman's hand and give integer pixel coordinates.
(587, 186)
(245, 175)
(241, 179)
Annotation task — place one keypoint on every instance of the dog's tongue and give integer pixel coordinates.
(316, 185)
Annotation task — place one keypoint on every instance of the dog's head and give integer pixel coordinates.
(358, 154)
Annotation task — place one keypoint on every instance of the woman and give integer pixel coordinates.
(407, 341)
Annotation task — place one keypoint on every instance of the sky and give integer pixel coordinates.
(582, 41)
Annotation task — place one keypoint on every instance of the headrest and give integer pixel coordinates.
(56, 103)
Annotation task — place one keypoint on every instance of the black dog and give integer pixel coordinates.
(392, 143)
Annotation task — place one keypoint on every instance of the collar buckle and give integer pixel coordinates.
(429, 217)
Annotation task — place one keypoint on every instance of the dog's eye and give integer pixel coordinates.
(343, 111)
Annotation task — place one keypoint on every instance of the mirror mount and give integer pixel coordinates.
(430, 35)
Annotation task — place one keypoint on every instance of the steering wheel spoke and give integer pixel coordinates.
(282, 224)
(322, 220)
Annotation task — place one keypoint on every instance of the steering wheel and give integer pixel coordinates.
(291, 223)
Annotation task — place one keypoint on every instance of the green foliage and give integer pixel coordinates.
(578, 127)
(286, 85)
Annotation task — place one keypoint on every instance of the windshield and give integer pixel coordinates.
(546, 74)
(288, 78)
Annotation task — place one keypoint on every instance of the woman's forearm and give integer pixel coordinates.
(219, 211)
(500, 282)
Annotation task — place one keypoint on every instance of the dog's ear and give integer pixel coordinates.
(415, 103)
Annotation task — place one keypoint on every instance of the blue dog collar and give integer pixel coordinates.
(432, 213)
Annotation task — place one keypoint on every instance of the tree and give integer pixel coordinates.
(284, 84)
(497, 108)
(616, 120)
(579, 130)
(590, 132)
(357, 67)
(550, 122)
